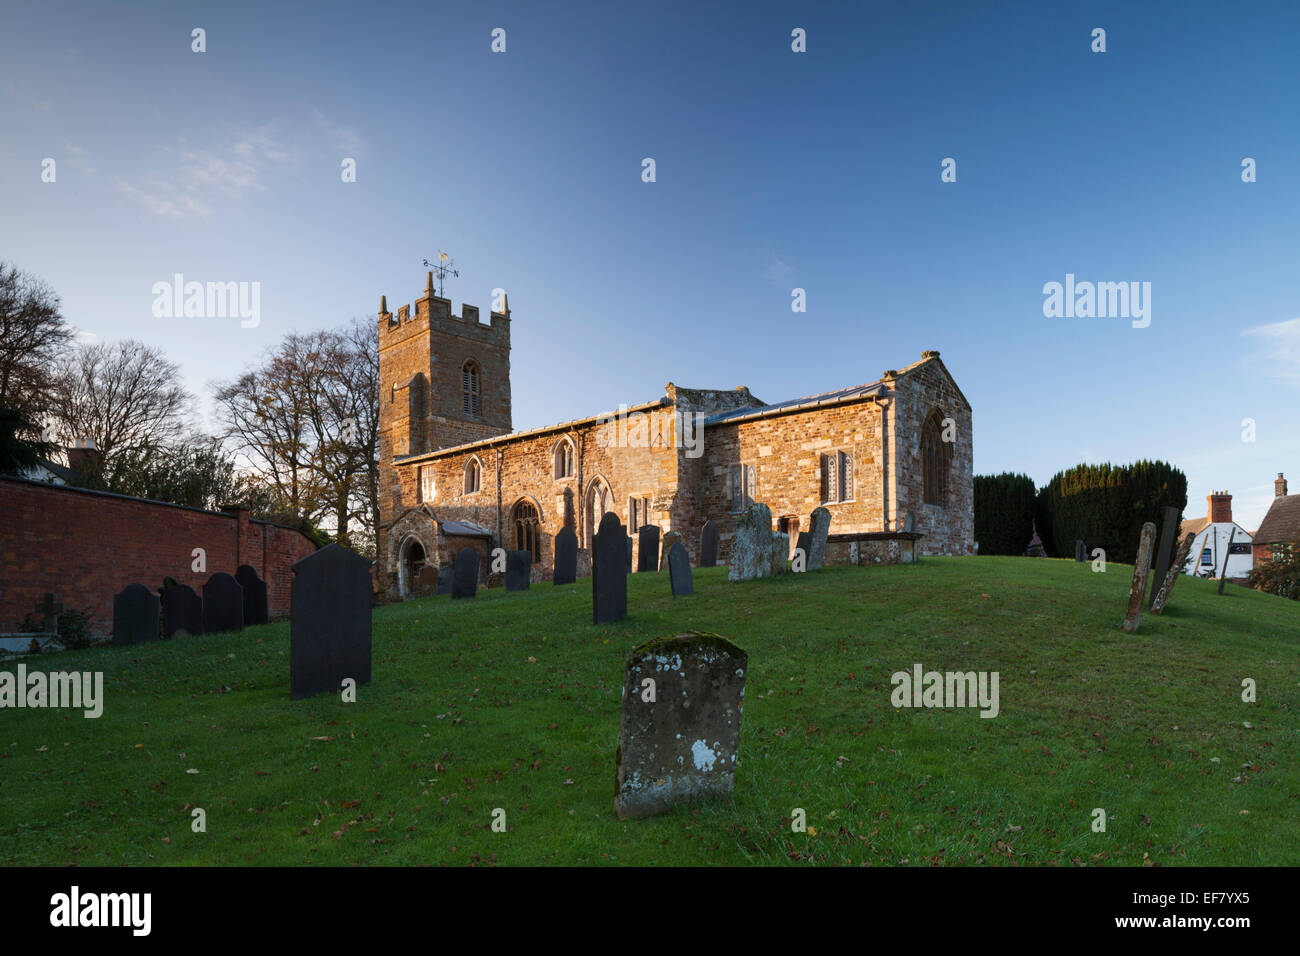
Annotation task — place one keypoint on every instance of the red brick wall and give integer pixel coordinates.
(86, 546)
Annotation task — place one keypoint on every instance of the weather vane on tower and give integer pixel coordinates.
(442, 268)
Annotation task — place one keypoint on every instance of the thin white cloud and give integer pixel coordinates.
(79, 159)
(341, 138)
(1278, 353)
(776, 270)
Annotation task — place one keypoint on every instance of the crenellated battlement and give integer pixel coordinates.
(433, 313)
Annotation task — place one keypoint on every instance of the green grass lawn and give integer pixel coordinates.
(512, 701)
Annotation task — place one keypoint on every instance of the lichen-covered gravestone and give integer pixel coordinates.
(780, 552)
(1172, 575)
(182, 611)
(566, 557)
(679, 739)
(256, 609)
(820, 527)
(679, 570)
(464, 580)
(709, 545)
(751, 548)
(329, 629)
(135, 615)
(519, 570)
(670, 539)
(647, 555)
(609, 570)
(1138, 588)
(223, 604)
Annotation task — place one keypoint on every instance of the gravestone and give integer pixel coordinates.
(679, 570)
(519, 570)
(446, 579)
(1138, 588)
(1080, 551)
(255, 606)
(679, 736)
(751, 548)
(780, 552)
(1172, 575)
(135, 615)
(670, 539)
(1227, 557)
(1035, 548)
(804, 543)
(182, 611)
(1168, 534)
(464, 580)
(609, 570)
(647, 556)
(709, 545)
(819, 526)
(629, 554)
(50, 609)
(428, 581)
(223, 604)
(566, 557)
(329, 629)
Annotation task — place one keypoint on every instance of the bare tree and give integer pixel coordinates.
(33, 336)
(125, 395)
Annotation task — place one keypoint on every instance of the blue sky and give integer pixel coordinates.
(774, 170)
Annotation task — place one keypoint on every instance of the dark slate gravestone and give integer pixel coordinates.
(464, 581)
(182, 611)
(804, 544)
(609, 571)
(519, 570)
(679, 737)
(1168, 535)
(820, 526)
(647, 557)
(446, 580)
(566, 557)
(428, 581)
(670, 539)
(679, 570)
(255, 607)
(1080, 551)
(329, 630)
(629, 555)
(223, 604)
(135, 615)
(709, 545)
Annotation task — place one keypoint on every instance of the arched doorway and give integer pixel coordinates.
(411, 559)
(527, 525)
(596, 502)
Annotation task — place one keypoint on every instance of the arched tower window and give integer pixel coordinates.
(527, 527)
(469, 378)
(936, 460)
(564, 458)
(473, 476)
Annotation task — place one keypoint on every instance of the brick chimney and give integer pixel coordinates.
(83, 456)
(1219, 507)
(1279, 486)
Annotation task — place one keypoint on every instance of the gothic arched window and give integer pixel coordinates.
(528, 530)
(469, 376)
(473, 476)
(936, 460)
(564, 458)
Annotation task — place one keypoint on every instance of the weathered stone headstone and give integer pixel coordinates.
(135, 615)
(223, 604)
(566, 557)
(464, 581)
(329, 630)
(50, 609)
(780, 552)
(679, 737)
(1227, 557)
(670, 539)
(255, 604)
(1172, 575)
(446, 579)
(609, 570)
(519, 570)
(751, 548)
(679, 570)
(1035, 548)
(647, 555)
(1137, 591)
(1080, 551)
(182, 611)
(629, 556)
(709, 545)
(427, 584)
(819, 526)
(803, 543)
(1168, 534)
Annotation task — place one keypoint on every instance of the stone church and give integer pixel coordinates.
(886, 458)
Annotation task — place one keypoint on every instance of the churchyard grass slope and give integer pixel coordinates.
(512, 701)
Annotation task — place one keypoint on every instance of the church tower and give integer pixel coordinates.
(444, 380)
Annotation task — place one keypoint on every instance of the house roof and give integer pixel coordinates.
(1282, 523)
(837, 397)
(1193, 526)
(465, 528)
